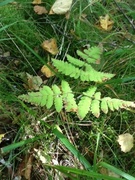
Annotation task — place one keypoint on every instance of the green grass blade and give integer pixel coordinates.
(6, 26)
(71, 148)
(3, 3)
(18, 144)
(117, 171)
(81, 172)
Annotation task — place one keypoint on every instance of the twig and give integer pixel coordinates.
(120, 9)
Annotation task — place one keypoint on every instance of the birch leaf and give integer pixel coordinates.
(106, 23)
(40, 10)
(50, 46)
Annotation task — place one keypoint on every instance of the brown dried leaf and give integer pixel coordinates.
(106, 23)
(46, 71)
(33, 82)
(40, 10)
(50, 46)
(37, 2)
(28, 168)
(25, 167)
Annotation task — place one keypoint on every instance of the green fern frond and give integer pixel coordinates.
(90, 101)
(90, 75)
(68, 97)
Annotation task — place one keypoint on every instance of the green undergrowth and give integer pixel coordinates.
(21, 33)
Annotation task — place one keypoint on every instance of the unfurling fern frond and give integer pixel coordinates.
(90, 101)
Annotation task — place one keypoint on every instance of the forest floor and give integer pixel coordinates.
(28, 41)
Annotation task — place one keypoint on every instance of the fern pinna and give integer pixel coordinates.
(63, 97)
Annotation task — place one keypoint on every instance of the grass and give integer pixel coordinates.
(21, 33)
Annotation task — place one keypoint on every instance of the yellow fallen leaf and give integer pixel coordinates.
(50, 46)
(40, 10)
(1, 136)
(37, 2)
(46, 71)
(126, 142)
(105, 22)
(61, 7)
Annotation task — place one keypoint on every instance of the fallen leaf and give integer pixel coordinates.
(40, 10)
(28, 168)
(61, 7)
(37, 2)
(25, 167)
(108, 172)
(33, 82)
(50, 46)
(1, 136)
(6, 54)
(106, 23)
(46, 71)
(126, 142)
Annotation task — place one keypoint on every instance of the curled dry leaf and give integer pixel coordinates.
(50, 46)
(106, 23)
(37, 2)
(126, 142)
(40, 10)
(61, 7)
(46, 71)
(33, 82)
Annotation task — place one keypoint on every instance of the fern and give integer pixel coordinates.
(76, 68)
(90, 101)
(63, 97)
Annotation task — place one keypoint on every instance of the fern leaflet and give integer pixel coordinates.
(75, 61)
(85, 102)
(91, 55)
(58, 102)
(68, 97)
